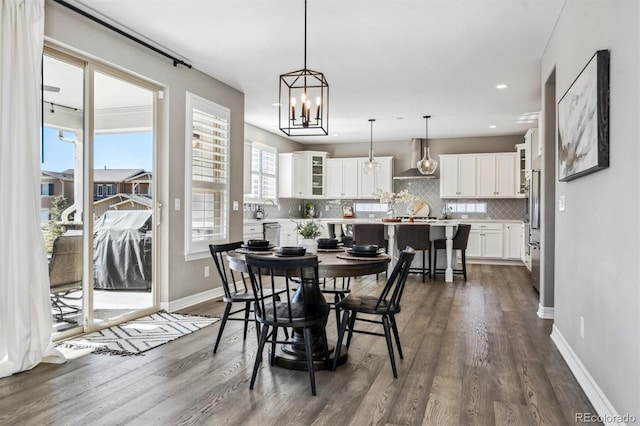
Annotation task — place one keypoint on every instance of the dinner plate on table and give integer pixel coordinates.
(364, 253)
(258, 248)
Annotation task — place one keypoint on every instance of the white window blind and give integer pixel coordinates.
(207, 174)
(264, 171)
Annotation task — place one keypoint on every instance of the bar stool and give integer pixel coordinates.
(460, 241)
(369, 233)
(416, 237)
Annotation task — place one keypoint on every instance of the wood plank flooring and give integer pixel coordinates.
(475, 353)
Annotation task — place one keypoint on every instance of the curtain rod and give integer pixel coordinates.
(176, 61)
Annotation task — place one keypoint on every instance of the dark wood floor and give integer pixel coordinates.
(475, 353)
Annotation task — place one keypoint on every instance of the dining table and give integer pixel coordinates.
(332, 263)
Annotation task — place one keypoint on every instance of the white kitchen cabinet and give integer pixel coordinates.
(301, 174)
(341, 176)
(458, 176)
(512, 241)
(383, 179)
(252, 231)
(288, 234)
(522, 172)
(496, 175)
(485, 241)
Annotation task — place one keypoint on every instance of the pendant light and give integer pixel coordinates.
(427, 165)
(304, 99)
(371, 167)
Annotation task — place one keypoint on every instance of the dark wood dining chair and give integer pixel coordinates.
(385, 306)
(417, 237)
(460, 241)
(235, 291)
(302, 307)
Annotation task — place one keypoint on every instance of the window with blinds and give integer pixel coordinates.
(207, 174)
(264, 172)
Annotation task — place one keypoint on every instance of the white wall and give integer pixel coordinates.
(178, 278)
(597, 261)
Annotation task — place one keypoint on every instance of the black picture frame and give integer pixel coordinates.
(583, 121)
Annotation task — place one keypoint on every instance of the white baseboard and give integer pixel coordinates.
(185, 302)
(545, 312)
(605, 410)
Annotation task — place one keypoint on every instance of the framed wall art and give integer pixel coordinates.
(583, 121)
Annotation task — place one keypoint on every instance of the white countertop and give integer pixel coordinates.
(376, 220)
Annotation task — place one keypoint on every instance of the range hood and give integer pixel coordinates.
(416, 155)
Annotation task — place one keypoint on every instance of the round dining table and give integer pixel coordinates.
(292, 355)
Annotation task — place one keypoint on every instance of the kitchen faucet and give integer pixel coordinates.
(264, 203)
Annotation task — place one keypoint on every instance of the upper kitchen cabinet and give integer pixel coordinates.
(458, 176)
(302, 174)
(496, 175)
(341, 177)
(383, 179)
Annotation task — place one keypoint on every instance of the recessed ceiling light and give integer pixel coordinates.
(493, 126)
(335, 134)
(502, 86)
(276, 104)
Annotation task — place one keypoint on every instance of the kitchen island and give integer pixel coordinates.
(448, 226)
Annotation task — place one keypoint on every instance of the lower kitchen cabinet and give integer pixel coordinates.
(252, 231)
(288, 234)
(512, 241)
(486, 240)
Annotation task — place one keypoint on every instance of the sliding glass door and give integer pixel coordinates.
(98, 173)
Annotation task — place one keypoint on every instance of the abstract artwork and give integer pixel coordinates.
(583, 121)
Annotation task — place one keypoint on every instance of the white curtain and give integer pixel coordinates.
(25, 308)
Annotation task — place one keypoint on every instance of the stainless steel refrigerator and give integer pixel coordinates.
(534, 222)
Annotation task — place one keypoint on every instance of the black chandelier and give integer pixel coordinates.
(304, 99)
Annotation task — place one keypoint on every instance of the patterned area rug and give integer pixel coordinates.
(137, 336)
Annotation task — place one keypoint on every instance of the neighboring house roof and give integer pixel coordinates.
(142, 177)
(115, 175)
(59, 175)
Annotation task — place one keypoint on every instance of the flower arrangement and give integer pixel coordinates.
(393, 198)
(309, 229)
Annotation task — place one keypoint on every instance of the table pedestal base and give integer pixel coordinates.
(288, 356)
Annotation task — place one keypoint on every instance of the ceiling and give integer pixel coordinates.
(393, 60)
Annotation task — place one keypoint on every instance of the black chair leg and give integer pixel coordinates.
(325, 349)
(274, 338)
(435, 262)
(309, 353)
(464, 264)
(256, 365)
(394, 328)
(387, 336)
(424, 267)
(247, 308)
(341, 328)
(223, 322)
(352, 322)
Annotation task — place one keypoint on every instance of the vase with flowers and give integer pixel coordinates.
(309, 231)
(394, 198)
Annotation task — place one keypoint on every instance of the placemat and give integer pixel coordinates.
(331, 250)
(348, 256)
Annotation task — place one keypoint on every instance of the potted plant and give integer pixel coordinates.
(309, 231)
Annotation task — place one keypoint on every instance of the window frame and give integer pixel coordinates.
(199, 248)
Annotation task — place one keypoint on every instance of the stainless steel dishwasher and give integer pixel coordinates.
(271, 232)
